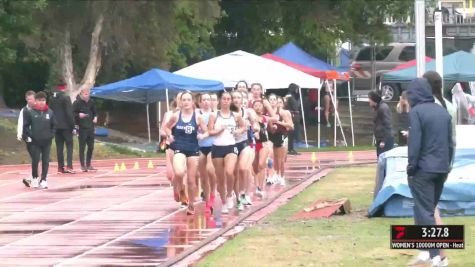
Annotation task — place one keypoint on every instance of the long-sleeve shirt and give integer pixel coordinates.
(19, 127)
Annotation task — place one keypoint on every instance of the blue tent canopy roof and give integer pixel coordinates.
(292, 52)
(151, 86)
(458, 67)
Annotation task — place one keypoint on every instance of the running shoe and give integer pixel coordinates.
(183, 199)
(422, 258)
(240, 206)
(212, 198)
(60, 170)
(436, 262)
(190, 210)
(224, 209)
(69, 170)
(27, 182)
(208, 208)
(91, 169)
(229, 202)
(444, 262)
(281, 181)
(242, 199)
(248, 199)
(35, 182)
(43, 184)
(260, 193)
(83, 169)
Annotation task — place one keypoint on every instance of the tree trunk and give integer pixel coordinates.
(2, 94)
(93, 66)
(67, 65)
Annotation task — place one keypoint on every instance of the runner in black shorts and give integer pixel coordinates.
(225, 124)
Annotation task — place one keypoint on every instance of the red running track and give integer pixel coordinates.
(125, 218)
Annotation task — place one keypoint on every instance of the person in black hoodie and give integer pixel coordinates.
(61, 105)
(293, 105)
(85, 116)
(430, 153)
(382, 129)
(39, 128)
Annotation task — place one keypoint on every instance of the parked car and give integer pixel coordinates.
(386, 58)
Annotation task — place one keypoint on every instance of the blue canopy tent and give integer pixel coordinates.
(153, 86)
(295, 54)
(292, 52)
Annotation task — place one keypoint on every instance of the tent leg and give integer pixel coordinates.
(303, 117)
(168, 105)
(337, 116)
(148, 125)
(159, 116)
(351, 115)
(319, 114)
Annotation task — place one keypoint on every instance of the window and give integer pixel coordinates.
(408, 53)
(381, 53)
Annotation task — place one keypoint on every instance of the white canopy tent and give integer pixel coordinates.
(239, 65)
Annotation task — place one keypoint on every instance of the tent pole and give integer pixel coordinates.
(303, 117)
(337, 116)
(319, 114)
(351, 115)
(148, 125)
(159, 116)
(168, 105)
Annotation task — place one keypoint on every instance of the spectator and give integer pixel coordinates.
(85, 116)
(61, 105)
(38, 128)
(30, 103)
(435, 82)
(293, 105)
(403, 119)
(382, 128)
(430, 153)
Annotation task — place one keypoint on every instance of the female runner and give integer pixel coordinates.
(224, 125)
(277, 134)
(182, 131)
(206, 168)
(245, 153)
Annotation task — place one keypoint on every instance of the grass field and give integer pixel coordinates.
(349, 240)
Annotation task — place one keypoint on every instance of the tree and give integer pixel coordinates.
(15, 21)
(120, 38)
(262, 26)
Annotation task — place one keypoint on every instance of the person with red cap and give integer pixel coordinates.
(61, 105)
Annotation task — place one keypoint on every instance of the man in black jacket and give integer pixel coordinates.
(61, 105)
(85, 116)
(39, 129)
(430, 152)
(293, 105)
(382, 123)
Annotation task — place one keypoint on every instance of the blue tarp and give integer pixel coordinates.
(394, 199)
(150, 87)
(458, 67)
(293, 53)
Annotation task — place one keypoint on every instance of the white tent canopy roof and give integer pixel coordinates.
(239, 65)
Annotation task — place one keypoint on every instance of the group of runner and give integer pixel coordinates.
(225, 142)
